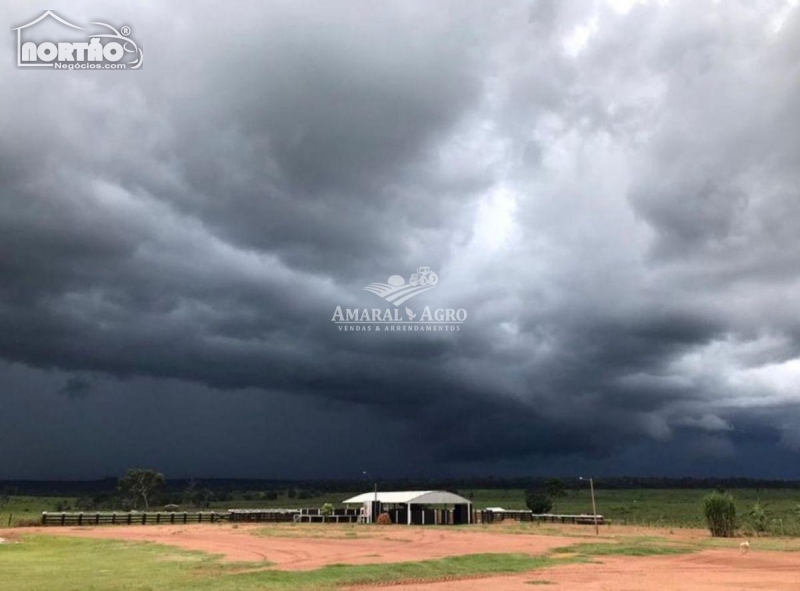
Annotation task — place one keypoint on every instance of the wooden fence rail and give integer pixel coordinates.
(137, 518)
(306, 518)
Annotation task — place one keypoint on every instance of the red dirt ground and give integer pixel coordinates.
(309, 547)
(710, 570)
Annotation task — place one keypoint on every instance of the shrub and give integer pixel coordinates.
(719, 510)
(758, 517)
(538, 501)
(327, 509)
(384, 519)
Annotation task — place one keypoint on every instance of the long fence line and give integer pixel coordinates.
(489, 516)
(425, 517)
(131, 518)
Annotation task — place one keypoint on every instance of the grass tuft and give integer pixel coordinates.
(625, 548)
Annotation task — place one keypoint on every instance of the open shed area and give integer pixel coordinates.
(417, 507)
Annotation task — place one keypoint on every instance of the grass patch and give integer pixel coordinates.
(46, 563)
(426, 570)
(326, 531)
(70, 564)
(24, 510)
(624, 548)
(756, 544)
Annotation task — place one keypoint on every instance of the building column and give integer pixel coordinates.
(409, 514)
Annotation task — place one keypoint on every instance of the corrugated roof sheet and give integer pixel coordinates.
(416, 497)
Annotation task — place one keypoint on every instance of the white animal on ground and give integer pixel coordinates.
(744, 546)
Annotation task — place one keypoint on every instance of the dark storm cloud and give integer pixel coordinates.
(76, 387)
(609, 190)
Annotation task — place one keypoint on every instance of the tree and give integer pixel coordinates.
(720, 513)
(141, 483)
(538, 501)
(190, 493)
(555, 490)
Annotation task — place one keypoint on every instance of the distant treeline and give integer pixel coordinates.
(221, 486)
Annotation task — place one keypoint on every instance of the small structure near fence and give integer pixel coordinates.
(129, 518)
(334, 516)
(263, 515)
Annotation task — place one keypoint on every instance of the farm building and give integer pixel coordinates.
(419, 507)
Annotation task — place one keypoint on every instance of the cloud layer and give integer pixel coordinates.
(609, 189)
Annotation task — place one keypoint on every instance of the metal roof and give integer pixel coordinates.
(416, 497)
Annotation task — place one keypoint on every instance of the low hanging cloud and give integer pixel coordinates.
(609, 189)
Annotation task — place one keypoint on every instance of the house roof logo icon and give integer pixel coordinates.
(48, 13)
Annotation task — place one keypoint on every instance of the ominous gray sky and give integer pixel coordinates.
(610, 189)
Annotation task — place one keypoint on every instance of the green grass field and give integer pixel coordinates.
(18, 510)
(647, 507)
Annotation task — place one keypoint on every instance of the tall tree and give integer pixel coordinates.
(555, 490)
(141, 483)
(538, 501)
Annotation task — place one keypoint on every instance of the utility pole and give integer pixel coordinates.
(594, 505)
(375, 504)
(594, 508)
(373, 517)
